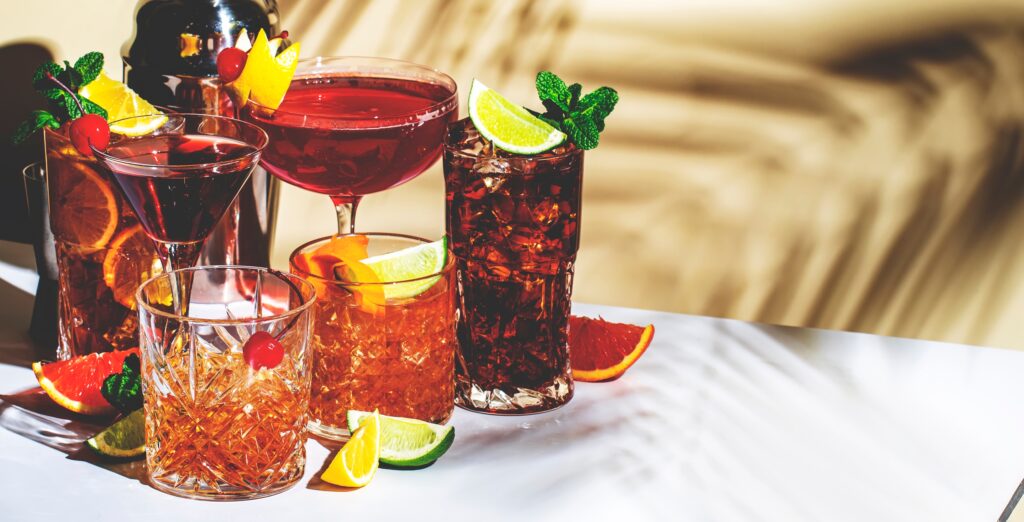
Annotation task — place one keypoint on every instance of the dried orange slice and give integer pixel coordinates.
(603, 351)
(75, 383)
(129, 261)
(88, 213)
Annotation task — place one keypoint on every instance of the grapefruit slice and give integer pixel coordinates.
(603, 351)
(130, 261)
(75, 383)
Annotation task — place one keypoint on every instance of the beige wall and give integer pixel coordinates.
(847, 164)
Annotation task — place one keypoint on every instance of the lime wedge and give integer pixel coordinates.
(124, 439)
(408, 443)
(410, 264)
(509, 126)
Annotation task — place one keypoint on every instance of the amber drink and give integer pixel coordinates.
(102, 252)
(513, 222)
(385, 345)
(223, 420)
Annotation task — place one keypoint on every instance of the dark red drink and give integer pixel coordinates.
(181, 205)
(354, 135)
(513, 224)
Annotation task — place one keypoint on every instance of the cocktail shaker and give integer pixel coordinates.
(171, 60)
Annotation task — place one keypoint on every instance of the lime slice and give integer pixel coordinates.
(408, 443)
(509, 126)
(124, 439)
(356, 462)
(410, 263)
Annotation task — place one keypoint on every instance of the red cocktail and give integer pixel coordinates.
(354, 126)
(181, 176)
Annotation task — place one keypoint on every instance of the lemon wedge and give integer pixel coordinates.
(267, 74)
(357, 461)
(120, 103)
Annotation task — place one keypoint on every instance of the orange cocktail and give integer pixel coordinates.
(378, 342)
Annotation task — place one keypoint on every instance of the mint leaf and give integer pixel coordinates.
(92, 107)
(43, 85)
(36, 121)
(582, 118)
(89, 66)
(70, 77)
(124, 390)
(582, 130)
(574, 100)
(552, 89)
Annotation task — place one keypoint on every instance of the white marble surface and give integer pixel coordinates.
(720, 420)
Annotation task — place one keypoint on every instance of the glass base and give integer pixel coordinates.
(199, 490)
(524, 401)
(339, 434)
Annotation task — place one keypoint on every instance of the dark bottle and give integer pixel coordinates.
(171, 60)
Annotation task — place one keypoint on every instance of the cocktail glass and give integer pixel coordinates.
(352, 126)
(217, 427)
(181, 177)
(513, 223)
(102, 253)
(378, 346)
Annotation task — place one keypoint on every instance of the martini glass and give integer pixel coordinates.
(352, 126)
(181, 176)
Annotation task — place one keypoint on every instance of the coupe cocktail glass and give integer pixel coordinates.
(513, 223)
(216, 427)
(102, 253)
(397, 355)
(354, 126)
(181, 177)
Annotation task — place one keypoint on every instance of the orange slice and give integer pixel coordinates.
(130, 260)
(88, 213)
(340, 259)
(603, 351)
(75, 383)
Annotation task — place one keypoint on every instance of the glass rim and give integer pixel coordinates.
(104, 156)
(291, 278)
(322, 60)
(451, 148)
(449, 263)
(35, 171)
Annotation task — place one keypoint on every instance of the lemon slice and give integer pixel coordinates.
(121, 102)
(267, 74)
(356, 463)
(509, 126)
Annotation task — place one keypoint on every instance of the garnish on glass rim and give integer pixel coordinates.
(582, 118)
(63, 104)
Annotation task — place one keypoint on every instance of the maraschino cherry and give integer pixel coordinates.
(230, 63)
(87, 129)
(263, 350)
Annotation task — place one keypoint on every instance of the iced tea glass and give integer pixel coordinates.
(396, 356)
(216, 427)
(102, 252)
(513, 223)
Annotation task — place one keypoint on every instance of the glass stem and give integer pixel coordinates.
(346, 207)
(174, 256)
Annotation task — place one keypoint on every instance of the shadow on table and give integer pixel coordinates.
(33, 415)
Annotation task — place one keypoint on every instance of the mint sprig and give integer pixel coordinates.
(61, 104)
(124, 390)
(580, 117)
